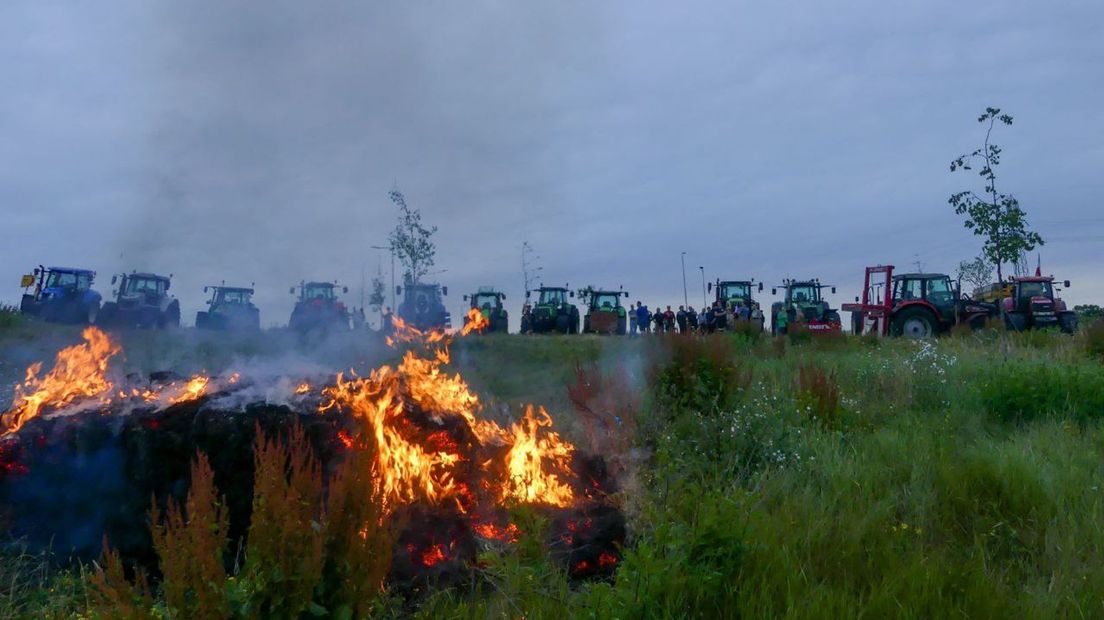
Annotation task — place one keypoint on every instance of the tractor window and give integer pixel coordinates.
(1035, 289)
(606, 300)
(939, 290)
(145, 285)
(60, 279)
(484, 300)
(553, 296)
(908, 290)
(234, 297)
(729, 291)
(318, 292)
(804, 293)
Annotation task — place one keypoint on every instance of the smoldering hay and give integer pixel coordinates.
(83, 450)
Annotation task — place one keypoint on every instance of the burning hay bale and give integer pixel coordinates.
(77, 464)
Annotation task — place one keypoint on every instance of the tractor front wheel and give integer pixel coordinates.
(914, 323)
(1015, 321)
(1067, 322)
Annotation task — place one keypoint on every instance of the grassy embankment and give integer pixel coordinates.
(829, 478)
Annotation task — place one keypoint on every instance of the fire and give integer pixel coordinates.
(302, 388)
(80, 371)
(476, 322)
(193, 389)
(532, 454)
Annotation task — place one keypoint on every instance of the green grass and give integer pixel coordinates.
(958, 478)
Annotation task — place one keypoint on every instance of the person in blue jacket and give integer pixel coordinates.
(643, 318)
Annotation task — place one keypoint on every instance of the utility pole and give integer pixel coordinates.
(705, 302)
(685, 298)
(391, 249)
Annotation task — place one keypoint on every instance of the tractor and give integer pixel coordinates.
(489, 301)
(553, 313)
(735, 296)
(913, 305)
(230, 308)
(1029, 302)
(605, 314)
(61, 295)
(422, 306)
(804, 305)
(318, 308)
(142, 300)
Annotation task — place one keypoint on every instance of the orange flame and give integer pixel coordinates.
(193, 389)
(530, 458)
(476, 322)
(80, 371)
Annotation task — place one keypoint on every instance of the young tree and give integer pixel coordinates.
(977, 272)
(997, 217)
(411, 241)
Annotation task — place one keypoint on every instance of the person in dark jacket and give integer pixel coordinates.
(643, 318)
(720, 317)
(680, 319)
(691, 319)
(657, 318)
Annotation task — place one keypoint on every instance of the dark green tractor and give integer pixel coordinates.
(230, 308)
(804, 304)
(605, 314)
(490, 302)
(552, 313)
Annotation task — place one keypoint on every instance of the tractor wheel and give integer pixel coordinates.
(622, 326)
(107, 314)
(26, 305)
(1015, 321)
(201, 320)
(1067, 322)
(171, 317)
(914, 323)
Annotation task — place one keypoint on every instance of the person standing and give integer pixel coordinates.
(632, 320)
(669, 320)
(691, 319)
(643, 317)
(680, 319)
(657, 318)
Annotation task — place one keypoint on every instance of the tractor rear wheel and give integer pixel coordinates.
(1015, 321)
(914, 323)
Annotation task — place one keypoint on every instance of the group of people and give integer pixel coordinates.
(685, 320)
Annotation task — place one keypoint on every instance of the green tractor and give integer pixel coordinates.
(230, 308)
(737, 299)
(552, 313)
(605, 314)
(804, 305)
(489, 301)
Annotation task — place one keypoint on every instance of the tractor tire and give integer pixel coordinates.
(171, 316)
(586, 324)
(1067, 322)
(1015, 321)
(914, 323)
(27, 304)
(201, 320)
(622, 326)
(107, 314)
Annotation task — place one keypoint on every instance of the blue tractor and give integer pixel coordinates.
(61, 295)
(230, 309)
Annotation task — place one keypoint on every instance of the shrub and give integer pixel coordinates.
(699, 374)
(1094, 339)
(818, 394)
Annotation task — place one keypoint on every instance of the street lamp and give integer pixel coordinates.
(685, 299)
(705, 302)
(391, 249)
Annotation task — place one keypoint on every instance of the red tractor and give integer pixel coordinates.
(914, 305)
(1029, 302)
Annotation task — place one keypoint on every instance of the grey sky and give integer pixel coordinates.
(257, 141)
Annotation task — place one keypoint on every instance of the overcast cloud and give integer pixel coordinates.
(252, 141)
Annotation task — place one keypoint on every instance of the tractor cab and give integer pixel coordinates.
(552, 311)
(229, 308)
(423, 306)
(61, 295)
(934, 288)
(804, 304)
(489, 302)
(605, 314)
(321, 292)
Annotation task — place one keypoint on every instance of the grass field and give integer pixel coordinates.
(847, 477)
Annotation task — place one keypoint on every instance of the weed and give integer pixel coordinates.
(818, 394)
